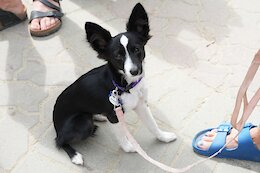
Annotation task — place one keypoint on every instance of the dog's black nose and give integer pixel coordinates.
(134, 72)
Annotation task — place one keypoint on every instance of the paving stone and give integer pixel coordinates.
(70, 7)
(247, 40)
(178, 53)
(123, 5)
(14, 142)
(4, 53)
(210, 74)
(186, 156)
(98, 158)
(241, 5)
(49, 103)
(47, 147)
(178, 9)
(214, 110)
(12, 48)
(51, 74)
(172, 106)
(47, 51)
(236, 166)
(153, 69)
(82, 49)
(211, 14)
(96, 8)
(230, 52)
(163, 80)
(38, 130)
(176, 26)
(35, 161)
(22, 94)
(158, 24)
(116, 25)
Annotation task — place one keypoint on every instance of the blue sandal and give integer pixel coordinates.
(246, 149)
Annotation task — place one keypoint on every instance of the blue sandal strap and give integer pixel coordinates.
(220, 139)
(246, 149)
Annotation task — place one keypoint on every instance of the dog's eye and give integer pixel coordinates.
(136, 50)
(118, 57)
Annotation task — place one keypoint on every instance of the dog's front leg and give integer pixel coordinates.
(121, 138)
(146, 116)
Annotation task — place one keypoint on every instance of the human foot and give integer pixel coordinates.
(14, 6)
(247, 147)
(11, 13)
(45, 18)
(207, 140)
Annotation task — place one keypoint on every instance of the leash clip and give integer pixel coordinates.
(114, 98)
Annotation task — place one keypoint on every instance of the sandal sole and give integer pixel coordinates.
(47, 32)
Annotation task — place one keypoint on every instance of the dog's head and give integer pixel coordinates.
(125, 51)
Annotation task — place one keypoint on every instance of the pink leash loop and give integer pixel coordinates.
(242, 96)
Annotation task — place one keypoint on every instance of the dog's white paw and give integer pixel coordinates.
(99, 117)
(166, 136)
(127, 146)
(77, 159)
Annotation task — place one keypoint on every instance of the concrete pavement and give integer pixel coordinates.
(195, 62)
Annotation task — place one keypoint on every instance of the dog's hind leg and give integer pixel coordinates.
(61, 142)
(75, 157)
(77, 128)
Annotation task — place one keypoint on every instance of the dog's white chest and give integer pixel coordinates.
(130, 100)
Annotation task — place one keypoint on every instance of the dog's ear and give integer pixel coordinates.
(98, 37)
(138, 22)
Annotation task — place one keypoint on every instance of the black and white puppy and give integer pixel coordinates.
(88, 96)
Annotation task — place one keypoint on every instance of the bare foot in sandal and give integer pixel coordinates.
(42, 23)
(207, 140)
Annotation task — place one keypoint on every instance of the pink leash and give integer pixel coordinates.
(248, 109)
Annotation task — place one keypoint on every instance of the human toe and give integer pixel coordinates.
(204, 145)
(35, 24)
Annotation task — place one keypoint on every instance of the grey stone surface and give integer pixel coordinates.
(14, 142)
(186, 156)
(195, 63)
(22, 94)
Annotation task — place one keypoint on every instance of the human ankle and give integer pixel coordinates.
(38, 4)
(255, 134)
(14, 6)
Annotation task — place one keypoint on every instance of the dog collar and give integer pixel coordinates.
(128, 87)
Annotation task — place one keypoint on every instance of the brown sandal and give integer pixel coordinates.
(39, 14)
(8, 19)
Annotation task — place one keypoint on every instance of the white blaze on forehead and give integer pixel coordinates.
(128, 66)
(124, 41)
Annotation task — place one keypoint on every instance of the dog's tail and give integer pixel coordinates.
(75, 156)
